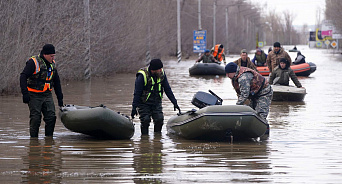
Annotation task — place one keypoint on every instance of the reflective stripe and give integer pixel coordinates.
(46, 87)
(36, 63)
(153, 83)
(144, 74)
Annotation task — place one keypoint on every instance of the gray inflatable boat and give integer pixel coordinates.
(98, 121)
(215, 121)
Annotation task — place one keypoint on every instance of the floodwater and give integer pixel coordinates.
(304, 145)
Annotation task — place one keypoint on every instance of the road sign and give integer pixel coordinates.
(260, 44)
(333, 44)
(200, 41)
(327, 42)
(318, 44)
(337, 36)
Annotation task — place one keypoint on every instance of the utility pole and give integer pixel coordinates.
(179, 52)
(227, 37)
(199, 20)
(199, 15)
(214, 24)
(87, 72)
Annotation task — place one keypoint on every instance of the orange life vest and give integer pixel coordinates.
(218, 56)
(41, 80)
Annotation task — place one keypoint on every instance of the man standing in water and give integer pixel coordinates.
(36, 82)
(148, 93)
(249, 84)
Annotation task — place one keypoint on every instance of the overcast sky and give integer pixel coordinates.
(304, 10)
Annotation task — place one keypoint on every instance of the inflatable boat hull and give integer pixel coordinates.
(218, 122)
(97, 121)
(304, 69)
(288, 93)
(207, 69)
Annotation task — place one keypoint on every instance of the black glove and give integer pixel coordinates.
(60, 102)
(26, 98)
(134, 112)
(176, 107)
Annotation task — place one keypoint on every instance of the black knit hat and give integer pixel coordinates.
(156, 64)
(231, 67)
(276, 44)
(48, 49)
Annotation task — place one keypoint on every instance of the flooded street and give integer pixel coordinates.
(303, 146)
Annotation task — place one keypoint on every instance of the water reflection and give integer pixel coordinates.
(43, 162)
(148, 159)
(213, 162)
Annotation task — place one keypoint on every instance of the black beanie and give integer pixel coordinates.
(231, 67)
(48, 49)
(156, 64)
(276, 44)
(283, 60)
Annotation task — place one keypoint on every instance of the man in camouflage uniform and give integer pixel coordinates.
(249, 84)
(207, 58)
(275, 55)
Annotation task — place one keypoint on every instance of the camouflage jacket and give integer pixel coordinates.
(248, 84)
(207, 59)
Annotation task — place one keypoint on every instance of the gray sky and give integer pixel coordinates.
(304, 10)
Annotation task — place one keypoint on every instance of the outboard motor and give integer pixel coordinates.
(202, 99)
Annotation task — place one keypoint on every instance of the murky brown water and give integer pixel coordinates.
(303, 147)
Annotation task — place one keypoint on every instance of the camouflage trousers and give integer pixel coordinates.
(42, 103)
(261, 103)
(146, 111)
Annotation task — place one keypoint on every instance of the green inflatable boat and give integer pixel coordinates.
(217, 122)
(98, 121)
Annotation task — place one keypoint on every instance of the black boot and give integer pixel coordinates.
(144, 129)
(268, 130)
(158, 127)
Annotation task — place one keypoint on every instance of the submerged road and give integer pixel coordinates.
(303, 146)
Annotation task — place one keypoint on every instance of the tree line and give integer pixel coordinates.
(96, 38)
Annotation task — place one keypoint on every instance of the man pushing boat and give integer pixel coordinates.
(249, 84)
(150, 83)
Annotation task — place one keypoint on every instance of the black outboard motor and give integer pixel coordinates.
(202, 99)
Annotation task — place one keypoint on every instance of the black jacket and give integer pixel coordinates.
(139, 86)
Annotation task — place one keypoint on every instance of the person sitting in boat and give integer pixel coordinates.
(299, 59)
(251, 85)
(218, 53)
(259, 58)
(245, 61)
(294, 48)
(269, 50)
(282, 74)
(275, 55)
(150, 83)
(207, 58)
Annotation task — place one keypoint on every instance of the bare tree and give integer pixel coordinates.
(288, 19)
(102, 37)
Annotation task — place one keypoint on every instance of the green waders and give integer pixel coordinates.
(42, 103)
(148, 110)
